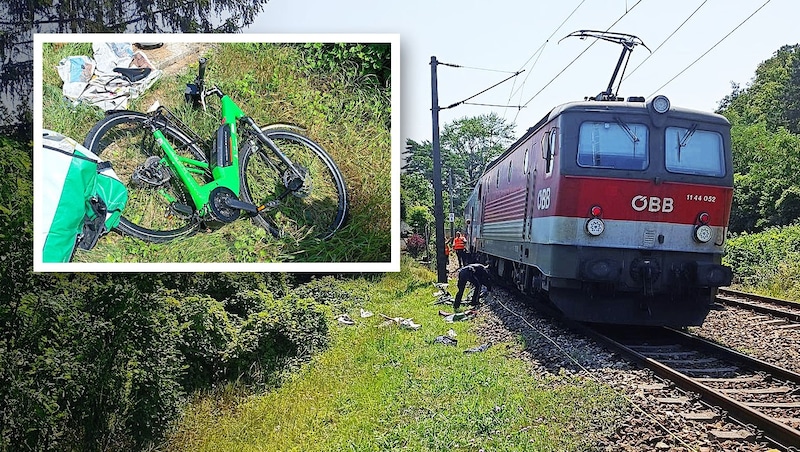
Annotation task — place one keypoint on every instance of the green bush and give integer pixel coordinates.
(331, 292)
(205, 332)
(768, 261)
(91, 362)
(358, 60)
(287, 330)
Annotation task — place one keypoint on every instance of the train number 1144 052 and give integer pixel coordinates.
(701, 198)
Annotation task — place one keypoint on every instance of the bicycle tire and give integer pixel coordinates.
(126, 142)
(318, 208)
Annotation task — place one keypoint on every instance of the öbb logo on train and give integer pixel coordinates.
(641, 203)
(543, 199)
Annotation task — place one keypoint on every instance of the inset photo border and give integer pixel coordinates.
(216, 153)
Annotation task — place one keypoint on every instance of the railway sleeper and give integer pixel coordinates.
(776, 390)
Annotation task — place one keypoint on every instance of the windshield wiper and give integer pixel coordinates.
(682, 142)
(627, 129)
(688, 135)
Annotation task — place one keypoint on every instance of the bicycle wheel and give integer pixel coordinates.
(159, 208)
(316, 207)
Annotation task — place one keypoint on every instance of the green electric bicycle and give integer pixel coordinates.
(179, 183)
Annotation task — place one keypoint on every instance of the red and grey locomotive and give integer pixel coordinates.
(616, 210)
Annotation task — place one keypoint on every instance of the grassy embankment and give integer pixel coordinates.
(768, 262)
(385, 388)
(347, 116)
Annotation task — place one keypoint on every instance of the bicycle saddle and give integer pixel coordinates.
(133, 74)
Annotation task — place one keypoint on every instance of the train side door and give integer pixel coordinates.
(530, 186)
(470, 228)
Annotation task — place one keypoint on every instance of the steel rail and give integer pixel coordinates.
(773, 429)
(734, 297)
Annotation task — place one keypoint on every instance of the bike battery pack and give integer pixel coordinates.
(222, 152)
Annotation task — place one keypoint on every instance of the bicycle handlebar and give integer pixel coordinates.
(201, 71)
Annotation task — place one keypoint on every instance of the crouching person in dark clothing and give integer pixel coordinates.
(478, 275)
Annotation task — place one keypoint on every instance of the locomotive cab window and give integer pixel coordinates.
(525, 162)
(549, 141)
(693, 151)
(613, 144)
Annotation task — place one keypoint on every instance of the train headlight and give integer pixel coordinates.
(660, 104)
(595, 226)
(703, 233)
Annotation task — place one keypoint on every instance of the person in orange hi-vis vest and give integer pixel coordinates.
(460, 247)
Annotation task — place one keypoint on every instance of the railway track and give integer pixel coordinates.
(705, 396)
(778, 309)
(749, 390)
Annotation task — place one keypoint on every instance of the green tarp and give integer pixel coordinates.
(82, 197)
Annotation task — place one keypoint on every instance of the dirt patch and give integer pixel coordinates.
(172, 57)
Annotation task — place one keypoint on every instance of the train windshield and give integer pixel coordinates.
(613, 144)
(693, 151)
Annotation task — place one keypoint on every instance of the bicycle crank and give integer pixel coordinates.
(226, 207)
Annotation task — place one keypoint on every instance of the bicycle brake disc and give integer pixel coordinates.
(299, 186)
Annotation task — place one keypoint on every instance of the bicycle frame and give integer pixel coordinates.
(225, 175)
(224, 161)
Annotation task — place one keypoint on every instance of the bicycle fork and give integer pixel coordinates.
(262, 137)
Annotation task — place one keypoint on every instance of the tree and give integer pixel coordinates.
(23, 17)
(765, 120)
(419, 217)
(791, 98)
(767, 178)
(765, 99)
(419, 158)
(468, 145)
(471, 143)
(415, 190)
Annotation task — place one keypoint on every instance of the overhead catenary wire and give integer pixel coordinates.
(513, 73)
(538, 52)
(476, 68)
(710, 49)
(479, 104)
(665, 41)
(580, 54)
(483, 91)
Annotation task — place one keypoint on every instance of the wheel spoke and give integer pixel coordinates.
(314, 205)
(127, 142)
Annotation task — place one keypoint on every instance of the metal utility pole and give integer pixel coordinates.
(438, 213)
(451, 217)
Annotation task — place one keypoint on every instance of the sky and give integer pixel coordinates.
(506, 35)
